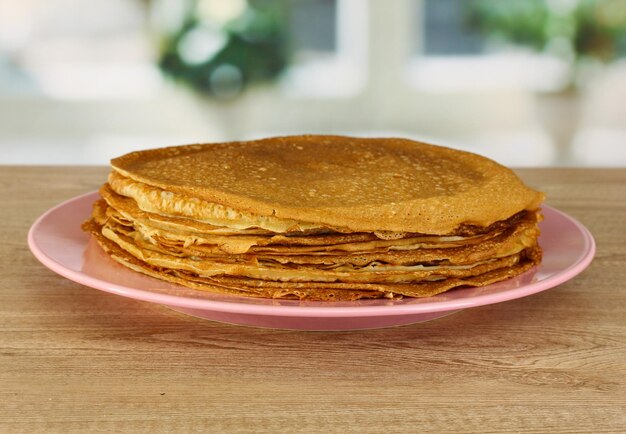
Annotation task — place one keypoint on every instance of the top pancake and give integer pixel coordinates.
(358, 184)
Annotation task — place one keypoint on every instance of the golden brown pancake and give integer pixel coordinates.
(314, 291)
(318, 217)
(357, 184)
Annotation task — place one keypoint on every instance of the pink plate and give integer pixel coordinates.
(58, 242)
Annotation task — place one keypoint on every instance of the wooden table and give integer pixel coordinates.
(74, 359)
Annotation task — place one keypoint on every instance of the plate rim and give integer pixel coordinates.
(239, 305)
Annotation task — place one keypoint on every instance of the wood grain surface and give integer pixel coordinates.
(74, 359)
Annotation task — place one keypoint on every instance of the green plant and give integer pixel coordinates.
(223, 46)
(572, 29)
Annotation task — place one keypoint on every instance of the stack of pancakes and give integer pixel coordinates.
(318, 218)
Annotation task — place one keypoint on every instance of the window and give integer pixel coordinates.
(451, 54)
(313, 26)
(330, 48)
(446, 29)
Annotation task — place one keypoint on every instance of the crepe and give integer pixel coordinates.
(318, 217)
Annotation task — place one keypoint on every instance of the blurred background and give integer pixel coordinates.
(527, 82)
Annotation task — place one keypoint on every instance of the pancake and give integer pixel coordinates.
(318, 218)
(358, 184)
(176, 230)
(314, 291)
(520, 235)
